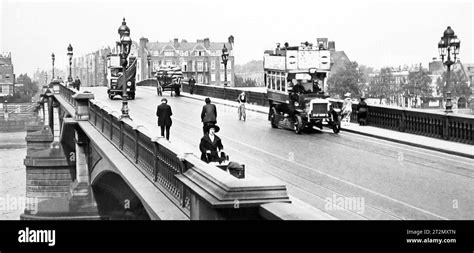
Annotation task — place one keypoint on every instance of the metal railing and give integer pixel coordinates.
(456, 128)
(158, 162)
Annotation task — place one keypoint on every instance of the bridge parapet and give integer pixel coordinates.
(200, 190)
(452, 127)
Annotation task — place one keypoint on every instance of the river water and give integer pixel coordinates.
(12, 175)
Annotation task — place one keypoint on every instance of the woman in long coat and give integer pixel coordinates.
(362, 112)
(211, 145)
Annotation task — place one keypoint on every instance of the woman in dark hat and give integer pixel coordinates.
(362, 111)
(211, 145)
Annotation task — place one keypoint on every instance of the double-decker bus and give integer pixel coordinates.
(295, 77)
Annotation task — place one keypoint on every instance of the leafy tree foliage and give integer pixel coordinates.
(27, 91)
(383, 85)
(240, 82)
(457, 82)
(348, 79)
(418, 85)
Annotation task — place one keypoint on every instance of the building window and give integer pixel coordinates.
(213, 65)
(200, 79)
(200, 66)
(229, 76)
(169, 63)
(169, 53)
(186, 53)
(213, 77)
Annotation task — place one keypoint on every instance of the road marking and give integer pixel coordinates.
(333, 177)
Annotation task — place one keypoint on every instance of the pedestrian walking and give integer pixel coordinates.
(347, 109)
(192, 84)
(362, 112)
(163, 112)
(77, 83)
(208, 115)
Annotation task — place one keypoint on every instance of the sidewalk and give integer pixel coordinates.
(450, 147)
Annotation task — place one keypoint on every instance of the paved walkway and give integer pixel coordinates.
(444, 146)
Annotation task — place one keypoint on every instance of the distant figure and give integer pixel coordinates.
(362, 112)
(242, 99)
(208, 114)
(298, 88)
(347, 108)
(316, 88)
(211, 146)
(163, 111)
(77, 83)
(192, 84)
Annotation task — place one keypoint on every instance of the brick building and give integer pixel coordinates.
(201, 59)
(7, 76)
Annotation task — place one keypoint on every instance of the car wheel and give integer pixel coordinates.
(298, 124)
(273, 118)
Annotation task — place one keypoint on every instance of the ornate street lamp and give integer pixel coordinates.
(125, 44)
(69, 54)
(52, 57)
(225, 58)
(148, 57)
(448, 47)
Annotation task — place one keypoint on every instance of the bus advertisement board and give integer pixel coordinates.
(274, 62)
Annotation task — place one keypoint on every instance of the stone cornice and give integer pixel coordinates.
(222, 190)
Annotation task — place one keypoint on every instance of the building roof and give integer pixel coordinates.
(187, 46)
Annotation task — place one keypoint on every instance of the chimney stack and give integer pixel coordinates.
(176, 43)
(207, 43)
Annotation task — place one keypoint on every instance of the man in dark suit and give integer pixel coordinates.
(208, 114)
(192, 84)
(77, 83)
(164, 113)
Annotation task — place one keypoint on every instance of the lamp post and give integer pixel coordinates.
(148, 57)
(225, 58)
(448, 47)
(69, 54)
(125, 43)
(52, 57)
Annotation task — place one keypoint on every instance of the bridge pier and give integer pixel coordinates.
(58, 185)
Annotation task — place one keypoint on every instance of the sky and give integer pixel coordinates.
(373, 33)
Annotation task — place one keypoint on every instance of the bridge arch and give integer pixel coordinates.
(115, 199)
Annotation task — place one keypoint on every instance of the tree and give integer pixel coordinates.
(348, 79)
(27, 91)
(418, 85)
(383, 85)
(457, 82)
